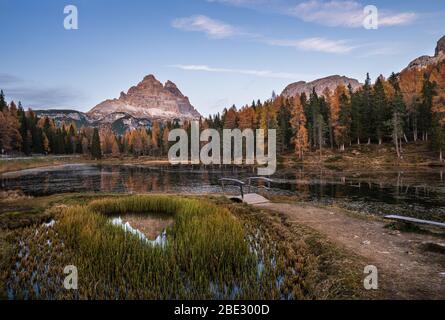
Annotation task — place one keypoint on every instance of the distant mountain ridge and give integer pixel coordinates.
(65, 115)
(118, 122)
(144, 103)
(331, 82)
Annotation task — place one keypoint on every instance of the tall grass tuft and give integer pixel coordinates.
(206, 255)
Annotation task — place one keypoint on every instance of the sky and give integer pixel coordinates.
(218, 52)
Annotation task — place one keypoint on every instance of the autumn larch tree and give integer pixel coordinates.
(155, 136)
(230, 118)
(340, 115)
(13, 128)
(165, 141)
(438, 110)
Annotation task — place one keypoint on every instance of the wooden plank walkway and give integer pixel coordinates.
(414, 220)
(250, 198)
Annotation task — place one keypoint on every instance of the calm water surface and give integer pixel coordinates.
(418, 193)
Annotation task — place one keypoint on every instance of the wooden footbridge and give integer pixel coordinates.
(249, 198)
(254, 198)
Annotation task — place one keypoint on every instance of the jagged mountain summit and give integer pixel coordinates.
(320, 85)
(147, 100)
(426, 61)
(144, 103)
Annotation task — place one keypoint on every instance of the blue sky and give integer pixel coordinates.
(218, 52)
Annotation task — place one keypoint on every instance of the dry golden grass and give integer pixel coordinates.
(215, 250)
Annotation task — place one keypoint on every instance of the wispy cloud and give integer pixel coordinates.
(240, 2)
(315, 44)
(256, 73)
(43, 97)
(222, 30)
(397, 19)
(35, 95)
(334, 13)
(213, 28)
(257, 4)
(344, 13)
(6, 79)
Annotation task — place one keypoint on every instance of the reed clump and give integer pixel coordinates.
(207, 255)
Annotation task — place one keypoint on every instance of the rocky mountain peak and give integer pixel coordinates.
(147, 85)
(150, 78)
(425, 61)
(171, 87)
(440, 48)
(149, 99)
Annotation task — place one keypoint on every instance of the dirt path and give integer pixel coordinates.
(406, 270)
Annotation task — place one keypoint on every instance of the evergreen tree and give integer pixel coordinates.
(344, 120)
(45, 144)
(284, 128)
(368, 111)
(71, 139)
(36, 132)
(96, 152)
(425, 107)
(24, 131)
(399, 115)
(3, 104)
(314, 107)
(397, 123)
(357, 116)
(382, 110)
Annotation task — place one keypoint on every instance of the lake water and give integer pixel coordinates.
(413, 192)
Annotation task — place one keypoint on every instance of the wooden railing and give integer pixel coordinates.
(264, 179)
(235, 182)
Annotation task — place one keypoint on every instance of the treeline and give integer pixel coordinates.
(387, 111)
(405, 107)
(23, 132)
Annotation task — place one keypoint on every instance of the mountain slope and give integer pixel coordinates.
(148, 100)
(412, 77)
(66, 116)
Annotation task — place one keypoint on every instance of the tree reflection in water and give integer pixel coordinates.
(415, 191)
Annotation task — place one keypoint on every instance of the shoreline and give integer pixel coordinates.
(13, 165)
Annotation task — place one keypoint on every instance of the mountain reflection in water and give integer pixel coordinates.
(415, 192)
